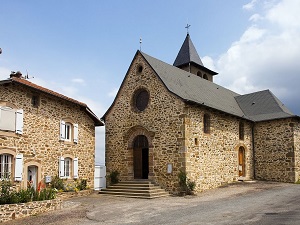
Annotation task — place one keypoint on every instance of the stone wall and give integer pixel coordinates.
(212, 159)
(17, 211)
(39, 143)
(297, 149)
(274, 150)
(171, 127)
(158, 123)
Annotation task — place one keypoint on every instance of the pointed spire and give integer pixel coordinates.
(187, 54)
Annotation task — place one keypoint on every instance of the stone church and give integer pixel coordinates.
(166, 118)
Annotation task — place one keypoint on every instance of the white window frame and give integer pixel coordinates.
(68, 167)
(5, 166)
(68, 131)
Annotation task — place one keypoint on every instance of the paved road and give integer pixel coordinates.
(266, 203)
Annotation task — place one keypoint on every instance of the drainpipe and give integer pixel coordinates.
(253, 151)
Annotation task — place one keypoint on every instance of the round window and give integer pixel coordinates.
(141, 99)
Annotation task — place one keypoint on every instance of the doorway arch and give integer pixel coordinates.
(241, 161)
(141, 157)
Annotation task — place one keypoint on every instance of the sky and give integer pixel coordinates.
(83, 49)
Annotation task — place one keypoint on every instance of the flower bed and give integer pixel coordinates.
(20, 210)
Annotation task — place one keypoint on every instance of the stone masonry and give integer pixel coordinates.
(40, 143)
(174, 131)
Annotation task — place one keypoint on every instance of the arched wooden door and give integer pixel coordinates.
(241, 162)
(141, 157)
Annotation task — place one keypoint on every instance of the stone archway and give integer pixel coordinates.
(139, 142)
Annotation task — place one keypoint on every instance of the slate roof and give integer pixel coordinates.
(53, 93)
(263, 105)
(187, 53)
(193, 89)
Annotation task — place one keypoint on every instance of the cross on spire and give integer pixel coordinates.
(187, 27)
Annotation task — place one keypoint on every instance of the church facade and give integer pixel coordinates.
(166, 118)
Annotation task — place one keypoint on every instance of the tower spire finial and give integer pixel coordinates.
(140, 43)
(187, 28)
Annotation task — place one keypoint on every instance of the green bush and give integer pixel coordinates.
(57, 183)
(186, 185)
(82, 185)
(9, 196)
(114, 177)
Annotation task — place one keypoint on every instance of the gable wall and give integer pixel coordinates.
(161, 122)
(274, 150)
(39, 143)
(214, 160)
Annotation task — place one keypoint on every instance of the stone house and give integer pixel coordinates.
(166, 118)
(44, 134)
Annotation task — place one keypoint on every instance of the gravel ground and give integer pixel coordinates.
(102, 209)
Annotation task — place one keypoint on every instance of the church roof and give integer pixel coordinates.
(195, 90)
(187, 54)
(263, 105)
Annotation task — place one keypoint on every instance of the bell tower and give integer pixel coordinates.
(189, 60)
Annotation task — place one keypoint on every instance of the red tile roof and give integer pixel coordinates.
(40, 88)
(56, 94)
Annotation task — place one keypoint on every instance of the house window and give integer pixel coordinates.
(241, 130)
(5, 166)
(199, 74)
(68, 131)
(206, 123)
(11, 119)
(205, 77)
(68, 167)
(35, 101)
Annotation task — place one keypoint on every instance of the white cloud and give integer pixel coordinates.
(255, 17)
(266, 56)
(78, 81)
(250, 5)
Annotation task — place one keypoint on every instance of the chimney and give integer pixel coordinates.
(17, 74)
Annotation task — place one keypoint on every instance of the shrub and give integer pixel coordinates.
(82, 185)
(114, 177)
(186, 185)
(57, 183)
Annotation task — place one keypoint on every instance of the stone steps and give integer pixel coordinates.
(135, 189)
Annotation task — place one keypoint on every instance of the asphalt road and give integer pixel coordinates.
(266, 203)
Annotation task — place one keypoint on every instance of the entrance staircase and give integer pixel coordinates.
(135, 189)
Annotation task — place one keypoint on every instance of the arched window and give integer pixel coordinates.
(241, 130)
(5, 166)
(205, 77)
(199, 74)
(206, 123)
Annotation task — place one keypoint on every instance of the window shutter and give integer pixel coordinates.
(19, 167)
(19, 121)
(76, 133)
(62, 130)
(75, 167)
(61, 167)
